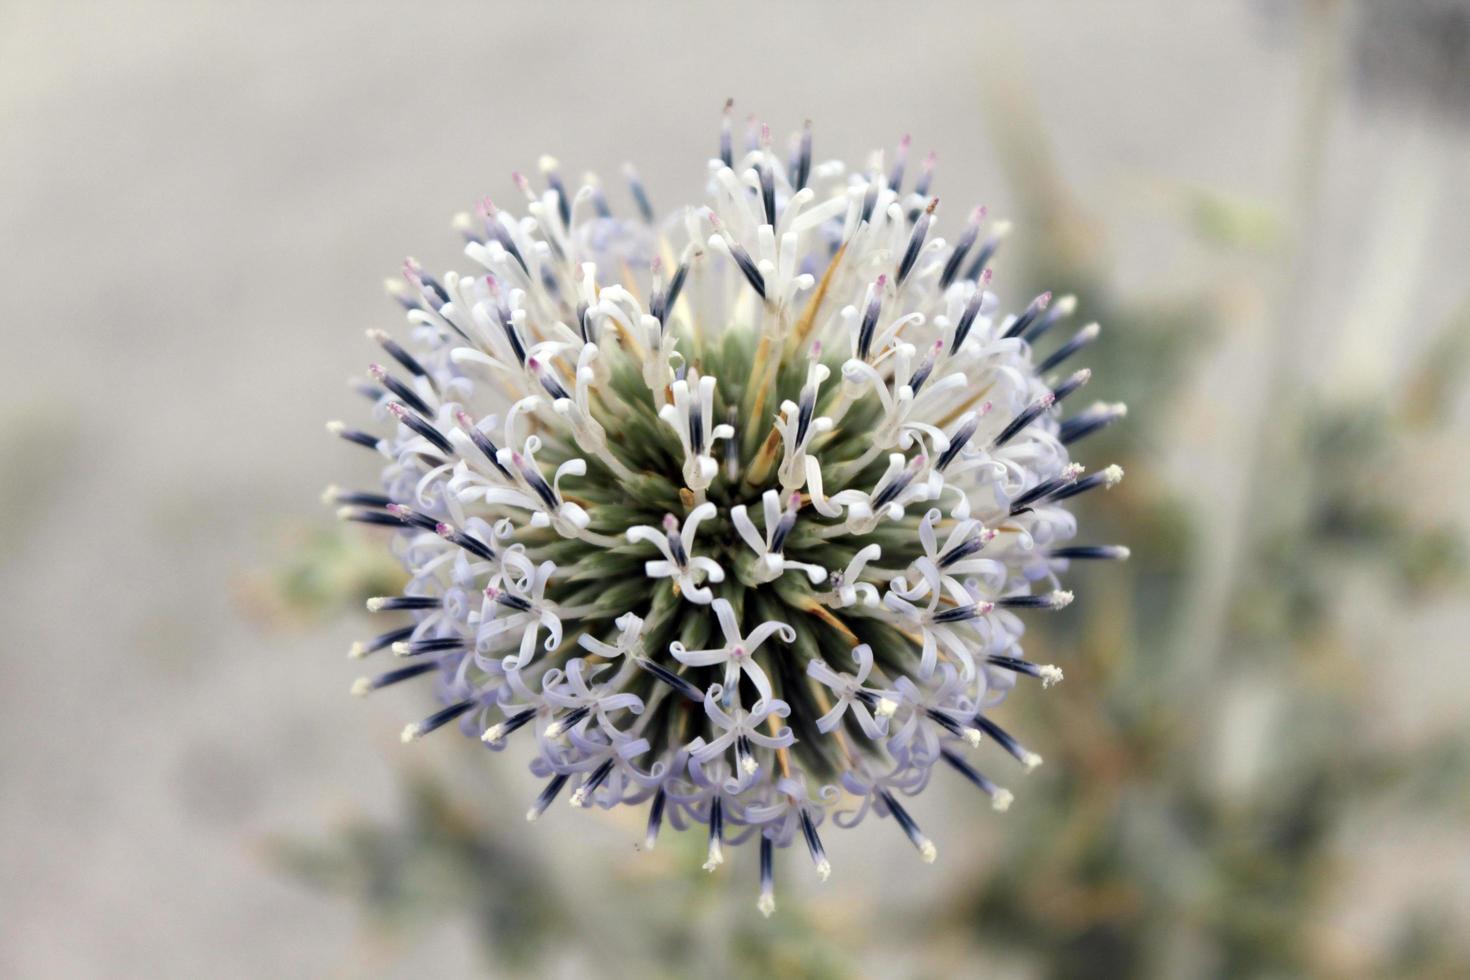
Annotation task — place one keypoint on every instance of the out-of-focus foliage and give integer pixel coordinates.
(439, 857)
(324, 571)
(449, 855)
(1134, 859)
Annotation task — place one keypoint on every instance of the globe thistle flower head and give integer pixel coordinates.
(734, 515)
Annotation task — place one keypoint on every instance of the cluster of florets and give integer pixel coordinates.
(729, 515)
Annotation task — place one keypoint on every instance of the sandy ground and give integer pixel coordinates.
(198, 206)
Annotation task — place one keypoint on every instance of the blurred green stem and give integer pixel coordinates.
(1216, 587)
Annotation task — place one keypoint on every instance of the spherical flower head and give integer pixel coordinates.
(734, 515)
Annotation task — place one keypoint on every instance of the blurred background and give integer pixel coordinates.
(1259, 764)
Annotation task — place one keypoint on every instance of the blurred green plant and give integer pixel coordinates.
(445, 858)
(1138, 858)
(439, 856)
(322, 572)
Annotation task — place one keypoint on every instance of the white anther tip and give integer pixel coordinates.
(1031, 760)
(1002, 800)
(928, 852)
(361, 687)
(1061, 599)
(1065, 305)
(493, 734)
(336, 427)
(971, 735)
(767, 905)
(376, 603)
(824, 869)
(1113, 474)
(411, 733)
(357, 651)
(402, 648)
(1050, 675)
(579, 798)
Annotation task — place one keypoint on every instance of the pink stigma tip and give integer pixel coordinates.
(670, 522)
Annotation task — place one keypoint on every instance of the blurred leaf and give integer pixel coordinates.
(1230, 220)
(437, 859)
(1433, 382)
(322, 572)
